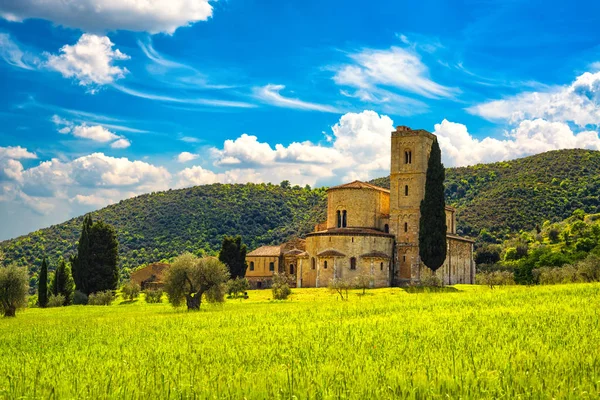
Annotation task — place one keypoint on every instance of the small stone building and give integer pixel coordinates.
(151, 276)
(265, 261)
(372, 232)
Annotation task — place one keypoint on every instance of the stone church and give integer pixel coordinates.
(370, 231)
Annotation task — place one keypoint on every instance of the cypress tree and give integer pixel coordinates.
(80, 262)
(432, 228)
(233, 255)
(43, 284)
(62, 283)
(103, 271)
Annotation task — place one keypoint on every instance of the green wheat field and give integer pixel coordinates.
(467, 342)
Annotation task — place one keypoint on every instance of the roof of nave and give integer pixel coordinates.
(359, 185)
(266, 251)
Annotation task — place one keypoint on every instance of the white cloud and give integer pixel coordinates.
(92, 200)
(10, 167)
(89, 61)
(459, 148)
(578, 102)
(358, 149)
(16, 152)
(397, 67)
(186, 156)
(97, 133)
(270, 94)
(104, 15)
(13, 55)
(120, 144)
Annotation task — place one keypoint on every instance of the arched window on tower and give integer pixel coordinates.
(344, 219)
(313, 263)
(324, 264)
(353, 263)
(338, 218)
(407, 157)
(291, 269)
(406, 227)
(406, 190)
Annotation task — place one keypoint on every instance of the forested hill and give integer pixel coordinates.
(508, 196)
(498, 197)
(161, 225)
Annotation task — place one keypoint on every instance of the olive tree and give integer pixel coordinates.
(14, 285)
(190, 277)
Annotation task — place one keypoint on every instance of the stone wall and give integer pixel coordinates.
(364, 207)
(318, 271)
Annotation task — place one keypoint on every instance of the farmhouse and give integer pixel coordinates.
(151, 276)
(370, 231)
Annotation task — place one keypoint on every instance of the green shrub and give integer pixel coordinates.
(104, 298)
(236, 287)
(80, 298)
(56, 300)
(130, 290)
(495, 278)
(153, 295)
(430, 279)
(280, 288)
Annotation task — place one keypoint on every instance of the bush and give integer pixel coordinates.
(495, 278)
(80, 298)
(32, 301)
(430, 279)
(104, 298)
(236, 287)
(153, 295)
(130, 290)
(56, 300)
(587, 270)
(281, 289)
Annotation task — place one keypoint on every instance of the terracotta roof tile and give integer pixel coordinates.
(266, 251)
(359, 185)
(375, 254)
(331, 253)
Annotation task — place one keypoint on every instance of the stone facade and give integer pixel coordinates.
(265, 261)
(374, 232)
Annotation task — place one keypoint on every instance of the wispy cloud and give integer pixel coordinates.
(170, 99)
(13, 55)
(270, 94)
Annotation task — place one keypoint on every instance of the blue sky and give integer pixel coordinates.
(104, 100)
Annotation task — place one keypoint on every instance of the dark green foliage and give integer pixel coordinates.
(432, 228)
(233, 255)
(81, 261)
(97, 257)
(80, 298)
(13, 289)
(62, 282)
(43, 284)
(488, 254)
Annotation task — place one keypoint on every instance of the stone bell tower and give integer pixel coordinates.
(410, 155)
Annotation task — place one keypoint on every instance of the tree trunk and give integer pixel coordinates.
(193, 301)
(11, 311)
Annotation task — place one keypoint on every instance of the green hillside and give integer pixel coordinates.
(161, 225)
(509, 196)
(498, 198)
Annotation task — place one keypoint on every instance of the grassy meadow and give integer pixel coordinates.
(469, 342)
